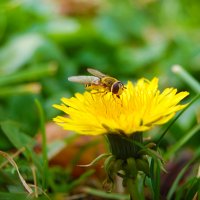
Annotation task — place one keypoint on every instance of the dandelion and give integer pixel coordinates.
(141, 107)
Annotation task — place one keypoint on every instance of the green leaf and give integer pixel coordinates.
(106, 195)
(81, 179)
(20, 49)
(11, 196)
(31, 74)
(20, 196)
(22, 110)
(13, 132)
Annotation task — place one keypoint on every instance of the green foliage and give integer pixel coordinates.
(40, 48)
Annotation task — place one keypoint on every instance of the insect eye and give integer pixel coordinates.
(115, 88)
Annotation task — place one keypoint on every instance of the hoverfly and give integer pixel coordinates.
(100, 82)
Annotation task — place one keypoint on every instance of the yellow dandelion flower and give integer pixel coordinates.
(140, 107)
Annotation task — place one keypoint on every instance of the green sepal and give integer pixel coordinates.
(104, 155)
(118, 165)
(131, 168)
(150, 145)
(109, 166)
(143, 165)
(151, 153)
(109, 169)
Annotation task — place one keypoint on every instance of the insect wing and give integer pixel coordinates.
(96, 72)
(84, 79)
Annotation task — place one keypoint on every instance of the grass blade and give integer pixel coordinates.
(181, 142)
(194, 84)
(180, 175)
(174, 120)
(155, 178)
(44, 144)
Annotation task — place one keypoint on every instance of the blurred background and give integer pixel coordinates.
(42, 42)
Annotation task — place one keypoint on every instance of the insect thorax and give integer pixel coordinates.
(108, 81)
